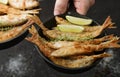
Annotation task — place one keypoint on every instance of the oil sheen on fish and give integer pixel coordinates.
(13, 20)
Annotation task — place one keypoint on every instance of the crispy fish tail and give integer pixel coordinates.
(114, 43)
(34, 33)
(108, 22)
(99, 40)
(37, 20)
(101, 55)
(39, 41)
(105, 25)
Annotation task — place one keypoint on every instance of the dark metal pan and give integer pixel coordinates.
(49, 24)
(52, 23)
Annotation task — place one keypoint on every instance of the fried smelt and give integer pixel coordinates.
(10, 10)
(85, 49)
(85, 35)
(23, 4)
(79, 61)
(39, 41)
(61, 20)
(13, 20)
(15, 31)
(60, 44)
(70, 62)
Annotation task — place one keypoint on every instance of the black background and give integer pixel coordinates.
(30, 64)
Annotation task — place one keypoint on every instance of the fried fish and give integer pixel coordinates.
(85, 48)
(13, 32)
(69, 62)
(79, 61)
(85, 35)
(10, 10)
(23, 4)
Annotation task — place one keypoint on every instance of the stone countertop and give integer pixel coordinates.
(23, 60)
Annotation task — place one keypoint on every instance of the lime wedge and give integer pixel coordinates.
(70, 28)
(79, 21)
(4, 1)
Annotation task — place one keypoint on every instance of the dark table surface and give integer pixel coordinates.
(23, 60)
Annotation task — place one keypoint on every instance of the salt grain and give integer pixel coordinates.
(16, 66)
(111, 63)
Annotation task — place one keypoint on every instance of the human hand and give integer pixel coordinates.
(81, 6)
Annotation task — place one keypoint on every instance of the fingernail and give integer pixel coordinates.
(56, 13)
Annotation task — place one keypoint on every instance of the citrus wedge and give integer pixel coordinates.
(4, 1)
(79, 21)
(70, 28)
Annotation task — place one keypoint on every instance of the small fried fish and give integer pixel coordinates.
(85, 48)
(15, 31)
(23, 4)
(80, 61)
(10, 10)
(69, 62)
(70, 36)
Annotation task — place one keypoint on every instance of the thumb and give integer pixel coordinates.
(60, 6)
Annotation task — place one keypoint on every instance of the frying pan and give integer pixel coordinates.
(52, 23)
(14, 40)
